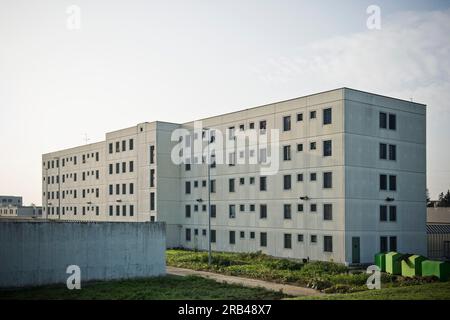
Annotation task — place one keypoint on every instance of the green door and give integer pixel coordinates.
(355, 250)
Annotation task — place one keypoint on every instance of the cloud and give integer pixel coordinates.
(409, 58)
(408, 55)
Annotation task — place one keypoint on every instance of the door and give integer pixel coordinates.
(355, 250)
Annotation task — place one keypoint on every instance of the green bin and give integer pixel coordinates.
(393, 263)
(412, 265)
(380, 261)
(439, 269)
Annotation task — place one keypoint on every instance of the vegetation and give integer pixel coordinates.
(326, 276)
(159, 288)
(429, 291)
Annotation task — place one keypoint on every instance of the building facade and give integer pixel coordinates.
(349, 178)
(11, 206)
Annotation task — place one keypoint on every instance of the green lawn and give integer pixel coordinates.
(429, 291)
(159, 288)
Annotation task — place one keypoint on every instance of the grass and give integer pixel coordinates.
(429, 291)
(158, 288)
(328, 277)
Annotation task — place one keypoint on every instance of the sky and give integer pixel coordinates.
(177, 61)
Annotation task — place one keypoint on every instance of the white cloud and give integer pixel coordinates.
(408, 58)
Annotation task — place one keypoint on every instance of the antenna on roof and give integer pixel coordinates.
(86, 139)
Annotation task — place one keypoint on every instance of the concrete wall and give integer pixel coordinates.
(38, 253)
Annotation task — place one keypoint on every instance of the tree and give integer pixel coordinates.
(444, 199)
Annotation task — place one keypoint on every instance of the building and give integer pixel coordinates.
(348, 180)
(11, 206)
(438, 232)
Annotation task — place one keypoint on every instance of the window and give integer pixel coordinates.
(110, 168)
(392, 183)
(118, 146)
(383, 213)
(328, 243)
(313, 238)
(299, 177)
(188, 234)
(131, 210)
(393, 243)
(242, 207)
(124, 145)
(96, 156)
(110, 210)
(327, 180)
(392, 121)
(300, 238)
(252, 235)
(97, 174)
(312, 146)
(262, 183)
(187, 167)
(286, 153)
(117, 167)
(230, 133)
(300, 207)
(299, 117)
(262, 126)
(327, 116)
(124, 167)
(392, 213)
(152, 201)
(152, 178)
(288, 241)
(263, 239)
(287, 182)
(124, 210)
(187, 211)
(313, 207)
(287, 123)
(383, 151)
(213, 186)
(392, 152)
(242, 234)
(299, 147)
(383, 182)
(383, 244)
(213, 236)
(231, 185)
(110, 148)
(131, 144)
(327, 149)
(117, 210)
(241, 181)
(263, 211)
(312, 176)
(232, 237)
(327, 211)
(383, 120)
(213, 210)
(152, 154)
(312, 114)
(287, 211)
(242, 127)
(131, 166)
(131, 188)
(252, 208)
(232, 211)
(187, 187)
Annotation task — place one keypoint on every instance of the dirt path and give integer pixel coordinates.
(285, 288)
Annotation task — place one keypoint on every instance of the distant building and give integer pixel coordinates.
(438, 232)
(11, 206)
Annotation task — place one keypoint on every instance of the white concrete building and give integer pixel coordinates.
(350, 181)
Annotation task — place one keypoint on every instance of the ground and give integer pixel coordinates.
(159, 288)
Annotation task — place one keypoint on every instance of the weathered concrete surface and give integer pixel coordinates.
(285, 288)
(39, 252)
